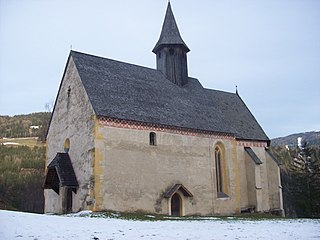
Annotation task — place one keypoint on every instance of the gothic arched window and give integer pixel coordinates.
(218, 160)
(220, 167)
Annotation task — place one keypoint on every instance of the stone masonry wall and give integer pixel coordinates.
(72, 118)
(131, 175)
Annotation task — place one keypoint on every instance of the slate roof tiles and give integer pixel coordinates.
(130, 92)
(60, 173)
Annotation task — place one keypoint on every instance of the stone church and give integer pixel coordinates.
(129, 138)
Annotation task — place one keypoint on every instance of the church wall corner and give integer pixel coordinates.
(72, 120)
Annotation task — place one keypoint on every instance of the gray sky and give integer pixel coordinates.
(269, 48)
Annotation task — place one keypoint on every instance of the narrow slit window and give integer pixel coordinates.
(152, 138)
(217, 154)
(69, 91)
(68, 99)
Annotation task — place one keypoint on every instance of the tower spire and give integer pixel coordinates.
(172, 51)
(170, 33)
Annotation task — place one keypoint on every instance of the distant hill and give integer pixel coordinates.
(26, 125)
(312, 138)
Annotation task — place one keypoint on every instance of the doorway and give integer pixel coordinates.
(69, 200)
(176, 205)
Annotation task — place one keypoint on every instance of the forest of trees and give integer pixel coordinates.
(28, 125)
(21, 178)
(300, 175)
(22, 167)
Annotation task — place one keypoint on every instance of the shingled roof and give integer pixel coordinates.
(170, 33)
(253, 156)
(60, 173)
(130, 92)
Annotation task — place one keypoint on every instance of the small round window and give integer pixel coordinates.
(67, 145)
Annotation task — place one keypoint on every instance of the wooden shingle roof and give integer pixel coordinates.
(130, 92)
(170, 34)
(177, 187)
(60, 173)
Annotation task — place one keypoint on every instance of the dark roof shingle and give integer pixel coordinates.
(169, 193)
(170, 33)
(253, 156)
(60, 167)
(130, 92)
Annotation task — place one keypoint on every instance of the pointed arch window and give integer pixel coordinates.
(220, 168)
(217, 155)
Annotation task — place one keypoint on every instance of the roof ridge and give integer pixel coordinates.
(114, 60)
(217, 90)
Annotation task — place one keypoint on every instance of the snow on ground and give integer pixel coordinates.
(18, 225)
(10, 143)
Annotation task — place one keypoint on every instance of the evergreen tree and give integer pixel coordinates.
(303, 181)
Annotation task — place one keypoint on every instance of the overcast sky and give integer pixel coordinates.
(269, 48)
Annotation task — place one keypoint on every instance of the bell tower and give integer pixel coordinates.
(171, 51)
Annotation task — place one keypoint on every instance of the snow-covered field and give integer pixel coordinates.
(18, 225)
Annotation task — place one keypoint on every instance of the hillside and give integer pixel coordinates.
(21, 178)
(312, 138)
(22, 161)
(26, 125)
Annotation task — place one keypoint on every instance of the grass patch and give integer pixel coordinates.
(29, 142)
(150, 217)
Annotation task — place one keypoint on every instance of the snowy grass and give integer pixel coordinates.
(148, 217)
(29, 141)
(112, 226)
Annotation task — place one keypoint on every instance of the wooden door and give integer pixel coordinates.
(176, 205)
(69, 200)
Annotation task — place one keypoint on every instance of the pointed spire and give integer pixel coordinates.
(170, 32)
